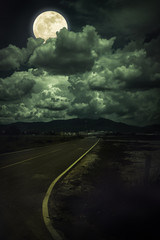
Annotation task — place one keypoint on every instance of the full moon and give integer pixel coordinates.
(47, 24)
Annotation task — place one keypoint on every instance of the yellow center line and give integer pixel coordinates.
(28, 159)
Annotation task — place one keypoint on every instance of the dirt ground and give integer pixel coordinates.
(113, 193)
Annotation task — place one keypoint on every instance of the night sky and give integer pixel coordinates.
(106, 65)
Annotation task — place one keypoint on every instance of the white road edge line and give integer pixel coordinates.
(45, 212)
(28, 149)
(28, 159)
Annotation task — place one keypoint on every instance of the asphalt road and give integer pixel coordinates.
(24, 179)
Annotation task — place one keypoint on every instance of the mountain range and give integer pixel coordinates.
(75, 125)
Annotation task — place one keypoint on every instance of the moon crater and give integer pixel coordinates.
(47, 24)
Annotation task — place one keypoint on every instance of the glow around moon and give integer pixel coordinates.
(47, 24)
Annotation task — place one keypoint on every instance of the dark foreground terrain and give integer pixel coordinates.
(24, 179)
(113, 193)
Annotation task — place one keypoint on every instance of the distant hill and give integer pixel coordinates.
(74, 125)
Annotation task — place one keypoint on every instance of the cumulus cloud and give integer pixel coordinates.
(81, 74)
(16, 86)
(132, 107)
(52, 99)
(26, 113)
(125, 70)
(11, 58)
(70, 53)
(124, 85)
(31, 96)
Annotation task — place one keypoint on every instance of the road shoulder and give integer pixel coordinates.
(106, 192)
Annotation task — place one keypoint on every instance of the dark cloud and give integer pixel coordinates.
(124, 85)
(134, 19)
(130, 69)
(15, 87)
(80, 74)
(53, 100)
(70, 53)
(153, 49)
(53, 106)
(125, 19)
(43, 103)
(32, 44)
(132, 107)
(11, 58)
